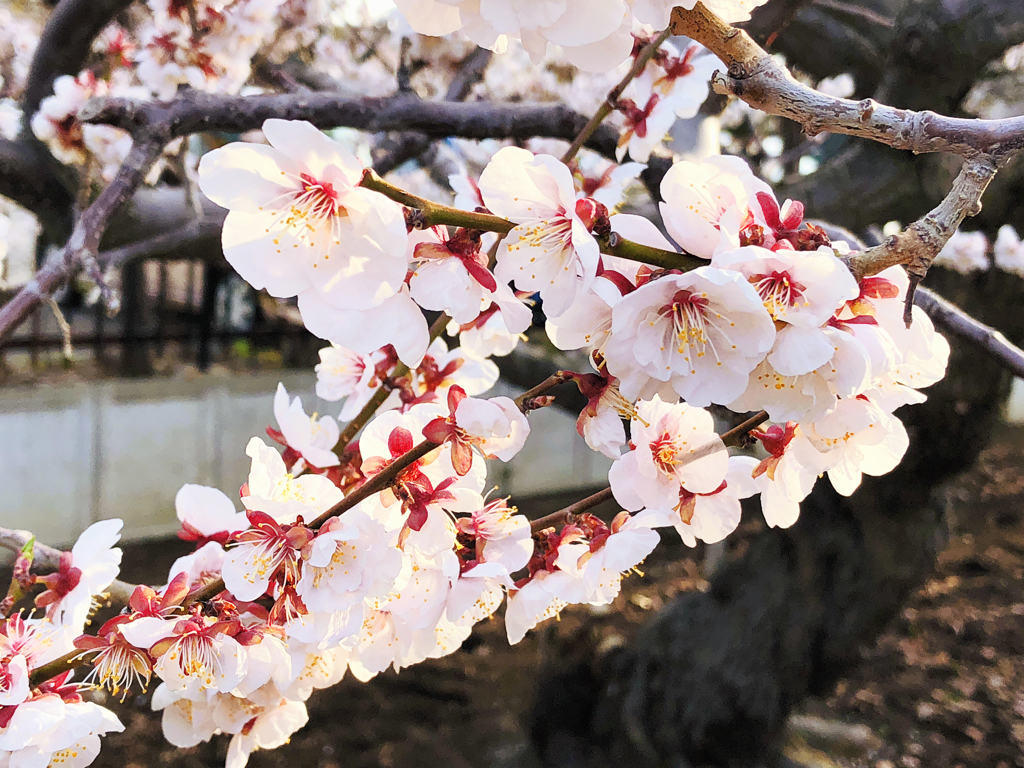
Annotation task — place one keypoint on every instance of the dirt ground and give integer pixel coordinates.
(943, 686)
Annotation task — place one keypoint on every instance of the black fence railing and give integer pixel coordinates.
(198, 312)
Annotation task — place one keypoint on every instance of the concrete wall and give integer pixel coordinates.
(74, 454)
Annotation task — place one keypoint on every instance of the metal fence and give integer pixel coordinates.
(198, 312)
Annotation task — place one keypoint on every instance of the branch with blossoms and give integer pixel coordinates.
(372, 545)
(154, 125)
(47, 558)
(765, 84)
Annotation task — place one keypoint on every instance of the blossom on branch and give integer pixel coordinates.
(699, 334)
(83, 573)
(298, 220)
(206, 515)
(495, 427)
(550, 250)
(312, 438)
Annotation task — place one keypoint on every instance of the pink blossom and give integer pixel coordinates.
(266, 553)
(312, 438)
(273, 490)
(700, 332)
(706, 203)
(344, 373)
(550, 250)
(678, 454)
(495, 427)
(291, 207)
(206, 515)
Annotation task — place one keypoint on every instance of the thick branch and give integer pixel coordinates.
(757, 79)
(919, 244)
(198, 112)
(953, 319)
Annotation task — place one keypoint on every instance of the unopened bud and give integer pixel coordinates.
(536, 403)
(591, 211)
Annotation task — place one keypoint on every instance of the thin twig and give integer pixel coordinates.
(612, 100)
(375, 484)
(83, 245)
(566, 514)
(730, 438)
(377, 399)
(735, 435)
(65, 330)
(59, 666)
(552, 381)
(432, 214)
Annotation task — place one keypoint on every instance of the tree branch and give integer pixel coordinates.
(83, 245)
(918, 245)
(385, 389)
(194, 235)
(755, 77)
(196, 112)
(412, 145)
(950, 317)
(759, 80)
(430, 214)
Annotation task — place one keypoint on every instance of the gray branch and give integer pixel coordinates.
(84, 243)
(953, 319)
(197, 112)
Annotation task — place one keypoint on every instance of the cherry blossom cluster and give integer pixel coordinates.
(207, 44)
(592, 35)
(775, 321)
(49, 722)
(367, 538)
(356, 555)
(71, 142)
(967, 252)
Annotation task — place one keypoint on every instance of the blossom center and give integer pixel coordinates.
(688, 314)
(778, 291)
(195, 656)
(118, 667)
(664, 451)
(549, 235)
